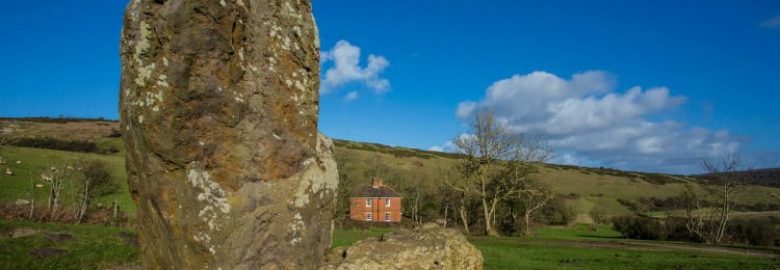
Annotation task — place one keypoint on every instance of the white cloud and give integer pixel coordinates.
(586, 119)
(436, 148)
(774, 22)
(345, 68)
(449, 146)
(351, 96)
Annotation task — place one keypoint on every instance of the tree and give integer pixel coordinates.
(534, 196)
(725, 173)
(3, 141)
(55, 177)
(96, 181)
(414, 194)
(497, 160)
(447, 200)
(344, 192)
(599, 215)
(709, 223)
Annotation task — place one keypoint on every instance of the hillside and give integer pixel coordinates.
(584, 189)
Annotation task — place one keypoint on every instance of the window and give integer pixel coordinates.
(369, 217)
(387, 202)
(387, 216)
(368, 202)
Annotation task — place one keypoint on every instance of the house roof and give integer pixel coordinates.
(371, 191)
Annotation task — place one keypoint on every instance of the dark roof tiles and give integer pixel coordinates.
(370, 191)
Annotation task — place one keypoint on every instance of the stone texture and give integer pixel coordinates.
(429, 247)
(219, 104)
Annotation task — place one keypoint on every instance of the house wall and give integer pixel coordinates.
(358, 209)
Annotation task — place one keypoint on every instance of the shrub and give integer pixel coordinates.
(556, 212)
(639, 228)
(759, 232)
(56, 144)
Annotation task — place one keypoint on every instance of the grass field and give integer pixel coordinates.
(56, 246)
(34, 161)
(99, 247)
(589, 189)
(585, 188)
(104, 247)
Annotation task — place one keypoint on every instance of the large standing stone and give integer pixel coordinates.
(219, 111)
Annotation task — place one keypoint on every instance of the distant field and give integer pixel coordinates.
(583, 188)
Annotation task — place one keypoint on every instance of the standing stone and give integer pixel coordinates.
(219, 104)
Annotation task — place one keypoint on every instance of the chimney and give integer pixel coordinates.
(376, 182)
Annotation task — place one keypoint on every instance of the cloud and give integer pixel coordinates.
(436, 148)
(351, 96)
(585, 118)
(345, 68)
(449, 146)
(774, 22)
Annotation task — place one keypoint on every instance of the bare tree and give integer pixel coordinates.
(698, 220)
(3, 141)
(96, 181)
(55, 177)
(535, 195)
(492, 149)
(459, 199)
(708, 221)
(462, 210)
(447, 200)
(725, 173)
(416, 196)
(31, 193)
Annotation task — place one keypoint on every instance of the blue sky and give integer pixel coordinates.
(707, 72)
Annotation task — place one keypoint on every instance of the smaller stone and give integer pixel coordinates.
(429, 247)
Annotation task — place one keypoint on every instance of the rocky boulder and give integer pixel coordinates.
(429, 247)
(219, 104)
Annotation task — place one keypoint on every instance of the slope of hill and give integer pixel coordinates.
(583, 188)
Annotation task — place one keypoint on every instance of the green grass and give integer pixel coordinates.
(581, 247)
(507, 253)
(99, 247)
(34, 161)
(92, 246)
(578, 232)
(342, 238)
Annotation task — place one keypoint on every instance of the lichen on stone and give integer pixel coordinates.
(210, 194)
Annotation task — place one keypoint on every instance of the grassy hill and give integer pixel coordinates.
(583, 188)
(30, 245)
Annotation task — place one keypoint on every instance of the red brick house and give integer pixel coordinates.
(375, 203)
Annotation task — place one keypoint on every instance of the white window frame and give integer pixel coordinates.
(388, 216)
(387, 202)
(369, 216)
(368, 202)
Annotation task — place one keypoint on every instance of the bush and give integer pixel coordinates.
(639, 228)
(55, 144)
(556, 212)
(759, 232)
